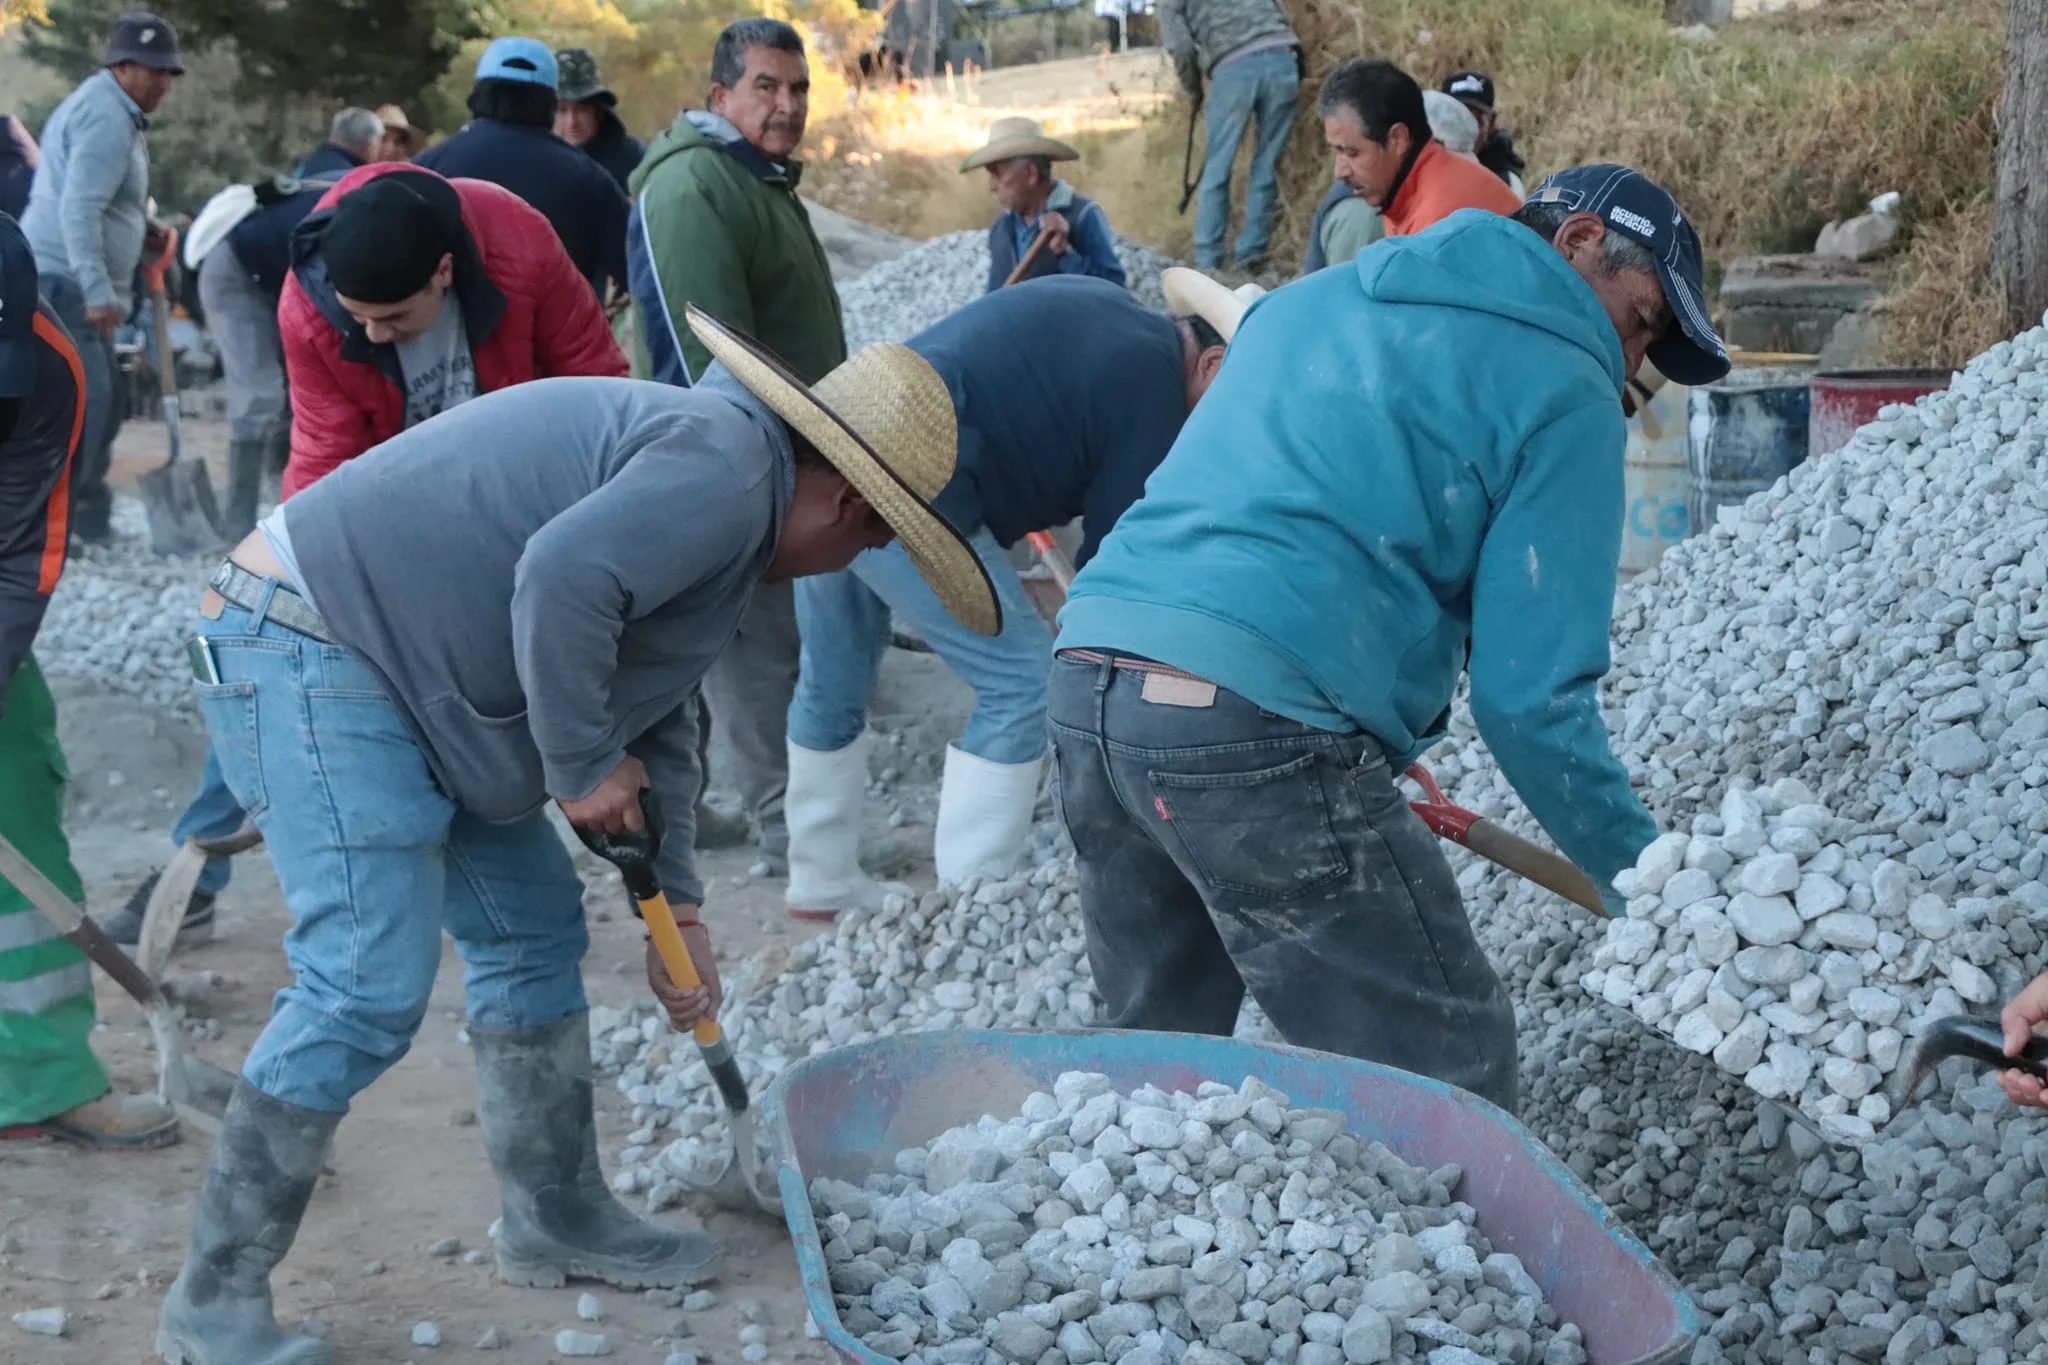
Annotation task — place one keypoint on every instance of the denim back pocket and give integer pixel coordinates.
(1265, 833)
(230, 712)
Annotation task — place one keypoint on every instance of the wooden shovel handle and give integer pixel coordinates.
(1551, 871)
(1037, 245)
(675, 955)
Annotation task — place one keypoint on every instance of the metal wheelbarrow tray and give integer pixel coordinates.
(846, 1113)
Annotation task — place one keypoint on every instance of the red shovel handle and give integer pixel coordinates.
(1445, 820)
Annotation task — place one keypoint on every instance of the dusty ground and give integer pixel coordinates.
(103, 1235)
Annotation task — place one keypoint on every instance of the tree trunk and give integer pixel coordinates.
(2019, 237)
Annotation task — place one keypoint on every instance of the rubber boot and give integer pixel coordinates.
(827, 792)
(984, 816)
(246, 460)
(264, 1164)
(561, 1221)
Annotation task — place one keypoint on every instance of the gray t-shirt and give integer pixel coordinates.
(542, 577)
(440, 372)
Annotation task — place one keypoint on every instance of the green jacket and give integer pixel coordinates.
(717, 224)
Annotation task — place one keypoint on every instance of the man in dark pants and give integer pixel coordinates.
(1276, 629)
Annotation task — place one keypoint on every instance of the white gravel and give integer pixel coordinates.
(1223, 1226)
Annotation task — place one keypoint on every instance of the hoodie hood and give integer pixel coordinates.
(1481, 261)
(696, 129)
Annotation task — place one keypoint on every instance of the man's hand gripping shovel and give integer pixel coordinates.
(738, 1185)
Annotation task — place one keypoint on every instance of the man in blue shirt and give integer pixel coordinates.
(1067, 393)
(1411, 468)
(1018, 158)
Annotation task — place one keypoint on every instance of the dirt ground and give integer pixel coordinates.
(103, 1235)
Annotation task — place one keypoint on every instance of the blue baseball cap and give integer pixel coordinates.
(518, 59)
(1630, 203)
(17, 312)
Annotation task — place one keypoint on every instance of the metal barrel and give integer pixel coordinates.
(1844, 400)
(1743, 435)
(1654, 481)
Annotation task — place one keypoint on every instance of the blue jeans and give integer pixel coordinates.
(844, 619)
(92, 501)
(1264, 86)
(212, 813)
(375, 862)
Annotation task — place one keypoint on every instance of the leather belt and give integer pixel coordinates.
(244, 589)
(1129, 663)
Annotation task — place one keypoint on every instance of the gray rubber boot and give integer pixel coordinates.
(560, 1218)
(264, 1164)
(246, 460)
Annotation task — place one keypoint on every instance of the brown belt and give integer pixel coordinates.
(1164, 684)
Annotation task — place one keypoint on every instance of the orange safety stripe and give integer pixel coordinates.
(57, 516)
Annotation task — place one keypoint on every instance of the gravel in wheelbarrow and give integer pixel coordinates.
(844, 1116)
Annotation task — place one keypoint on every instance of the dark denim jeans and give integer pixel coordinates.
(92, 501)
(1223, 848)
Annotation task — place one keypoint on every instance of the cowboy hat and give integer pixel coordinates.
(1190, 291)
(396, 124)
(884, 419)
(1013, 137)
(223, 214)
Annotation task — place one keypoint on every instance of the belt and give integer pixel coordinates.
(1129, 663)
(237, 585)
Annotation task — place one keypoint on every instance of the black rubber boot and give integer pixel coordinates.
(125, 924)
(561, 1220)
(246, 460)
(264, 1164)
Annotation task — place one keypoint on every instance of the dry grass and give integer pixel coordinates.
(1764, 131)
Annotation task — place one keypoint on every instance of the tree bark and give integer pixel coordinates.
(2019, 235)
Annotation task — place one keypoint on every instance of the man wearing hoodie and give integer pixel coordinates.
(716, 223)
(510, 140)
(1359, 514)
(587, 116)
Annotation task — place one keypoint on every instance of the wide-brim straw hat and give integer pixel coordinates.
(1014, 137)
(223, 214)
(885, 420)
(396, 122)
(1190, 291)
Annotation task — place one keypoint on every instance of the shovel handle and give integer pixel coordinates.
(1053, 557)
(675, 955)
(1551, 871)
(1037, 246)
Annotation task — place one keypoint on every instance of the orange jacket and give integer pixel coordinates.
(1439, 184)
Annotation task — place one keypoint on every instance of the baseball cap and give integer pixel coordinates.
(1628, 202)
(17, 312)
(146, 40)
(518, 59)
(1470, 87)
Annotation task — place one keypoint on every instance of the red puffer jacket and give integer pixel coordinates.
(529, 315)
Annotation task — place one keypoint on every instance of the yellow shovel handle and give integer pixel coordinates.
(675, 955)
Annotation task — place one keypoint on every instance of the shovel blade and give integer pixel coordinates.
(184, 517)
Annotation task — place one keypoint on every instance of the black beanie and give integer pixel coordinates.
(387, 237)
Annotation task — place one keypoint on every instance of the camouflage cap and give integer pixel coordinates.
(578, 78)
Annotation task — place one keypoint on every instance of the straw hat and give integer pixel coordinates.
(1009, 137)
(397, 125)
(885, 420)
(1190, 291)
(223, 214)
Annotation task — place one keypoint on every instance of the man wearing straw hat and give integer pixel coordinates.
(402, 141)
(1357, 516)
(406, 662)
(1046, 435)
(1046, 227)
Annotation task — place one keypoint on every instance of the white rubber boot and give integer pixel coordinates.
(984, 816)
(827, 795)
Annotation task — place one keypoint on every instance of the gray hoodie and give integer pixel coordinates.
(89, 205)
(542, 575)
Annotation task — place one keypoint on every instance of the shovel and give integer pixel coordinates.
(184, 518)
(165, 913)
(1551, 871)
(738, 1185)
(197, 1090)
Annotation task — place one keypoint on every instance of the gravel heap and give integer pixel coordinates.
(898, 299)
(1209, 1229)
(1798, 962)
(122, 614)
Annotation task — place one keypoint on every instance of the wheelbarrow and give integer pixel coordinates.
(846, 1113)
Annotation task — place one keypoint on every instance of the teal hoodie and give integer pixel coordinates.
(1402, 460)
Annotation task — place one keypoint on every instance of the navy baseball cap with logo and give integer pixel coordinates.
(146, 40)
(1628, 202)
(17, 312)
(1474, 88)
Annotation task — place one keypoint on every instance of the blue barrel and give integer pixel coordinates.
(1742, 435)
